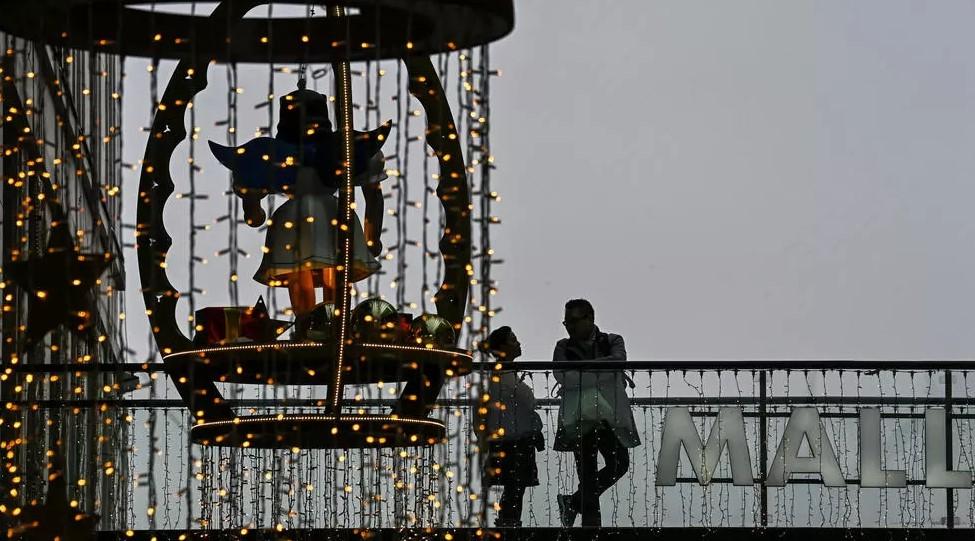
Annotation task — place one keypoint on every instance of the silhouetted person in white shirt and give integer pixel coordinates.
(594, 416)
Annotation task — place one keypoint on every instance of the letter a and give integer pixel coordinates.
(805, 423)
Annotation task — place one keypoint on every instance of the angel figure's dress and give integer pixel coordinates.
(303, 161)
(301, 235)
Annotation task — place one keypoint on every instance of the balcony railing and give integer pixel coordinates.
(907, 423)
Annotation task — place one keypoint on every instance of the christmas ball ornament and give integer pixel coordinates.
(372, 319)
(320, 323)
(431, 330)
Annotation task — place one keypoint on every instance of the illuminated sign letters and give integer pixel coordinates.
(804, 448)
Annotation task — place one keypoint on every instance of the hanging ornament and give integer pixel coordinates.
(372, 319)
(433, 331)
(58, 284)
(321, 162)
(320, 323)
(304, 160)
(56, 519)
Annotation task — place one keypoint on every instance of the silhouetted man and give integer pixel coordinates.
(594, 416)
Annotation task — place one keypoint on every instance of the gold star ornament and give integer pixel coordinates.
(58, 285)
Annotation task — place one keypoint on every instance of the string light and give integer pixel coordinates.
(61, 176)
(89, 91)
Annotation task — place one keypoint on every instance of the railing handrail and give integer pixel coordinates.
(707, 401)
(648, 365)
(737, 364)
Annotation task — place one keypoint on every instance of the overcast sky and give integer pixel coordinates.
(741, 179)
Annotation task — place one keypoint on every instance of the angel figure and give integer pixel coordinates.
(303, 161)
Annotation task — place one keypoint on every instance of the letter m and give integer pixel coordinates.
(679, 431)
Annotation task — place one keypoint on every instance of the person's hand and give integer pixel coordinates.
(375, 247)
(373, 240)
(254, 216)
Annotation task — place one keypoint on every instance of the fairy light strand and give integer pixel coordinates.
(432, 486)
(346, 200)
(61, 158)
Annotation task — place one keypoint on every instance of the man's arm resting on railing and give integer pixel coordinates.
(561, 376)
(577, 379)
(617, 352)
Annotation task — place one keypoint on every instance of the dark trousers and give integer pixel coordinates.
(593, 481)
(511, 501)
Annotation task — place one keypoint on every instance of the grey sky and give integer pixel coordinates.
(740, 179)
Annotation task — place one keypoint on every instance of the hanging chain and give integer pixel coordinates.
(303, 67)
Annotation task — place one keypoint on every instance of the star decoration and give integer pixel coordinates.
(58, 284)
(56, 520)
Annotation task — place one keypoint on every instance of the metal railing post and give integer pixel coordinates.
(949, 451)
(763, 442)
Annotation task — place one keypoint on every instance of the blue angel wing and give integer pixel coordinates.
(263, 164)
(270, 165)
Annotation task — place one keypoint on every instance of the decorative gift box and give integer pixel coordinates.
(237, 324)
